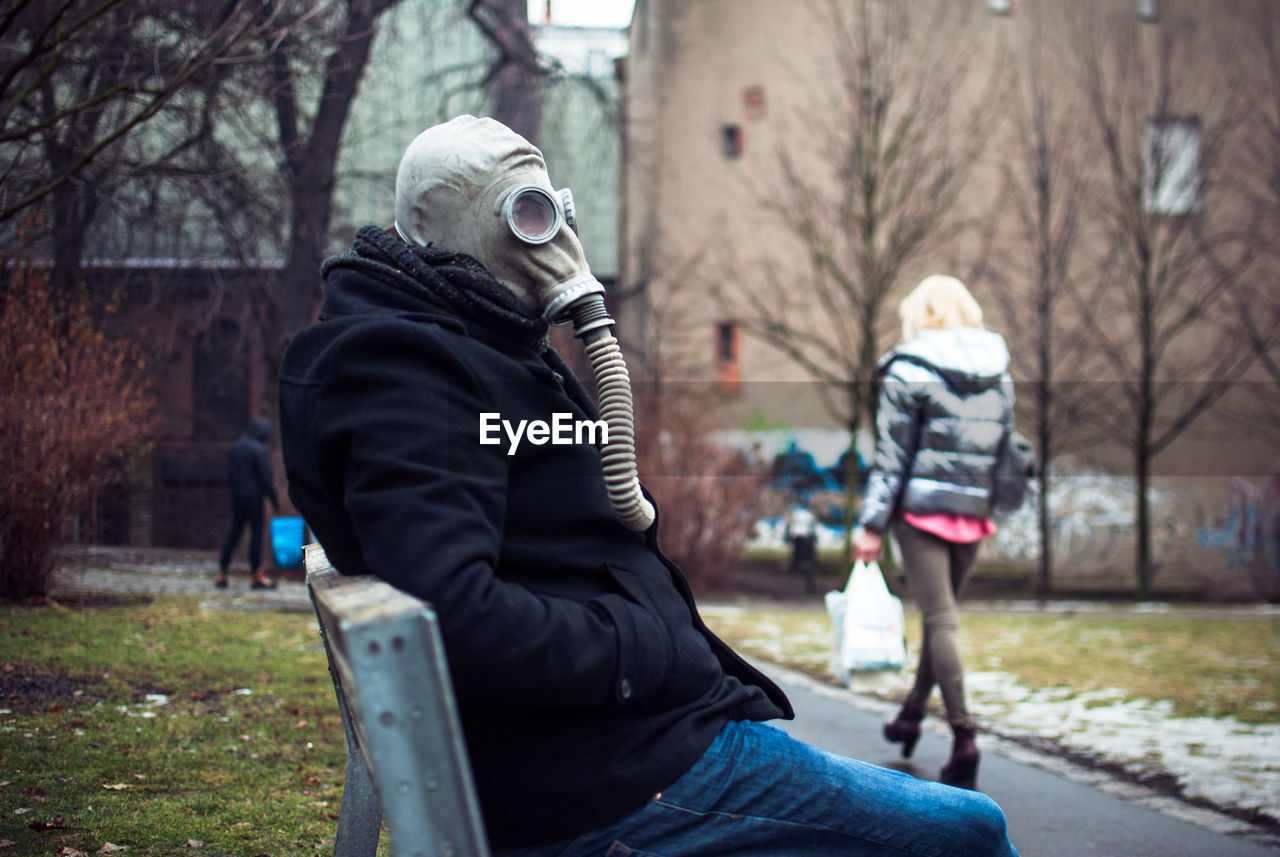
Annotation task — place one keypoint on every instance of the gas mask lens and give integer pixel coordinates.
(532, 214)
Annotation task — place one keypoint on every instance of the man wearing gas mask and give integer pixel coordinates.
(600, 713)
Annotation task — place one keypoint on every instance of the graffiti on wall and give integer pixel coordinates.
(1093, 523)
(807, 469)
(1248, 531)
(1093, 517)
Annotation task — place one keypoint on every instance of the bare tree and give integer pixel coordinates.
(1043, 190)
(156, 107)
(308, 150)
(1258, 308)
(82, 77)
(1166, 112)
(893, 145)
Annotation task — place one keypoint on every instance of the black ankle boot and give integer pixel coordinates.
(961, 770)
(905, 729)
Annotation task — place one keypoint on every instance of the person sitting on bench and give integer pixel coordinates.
(433, 438)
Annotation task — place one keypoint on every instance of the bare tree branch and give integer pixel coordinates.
(140, 94)
(1174, 268)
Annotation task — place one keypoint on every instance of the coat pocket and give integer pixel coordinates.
(677, 650)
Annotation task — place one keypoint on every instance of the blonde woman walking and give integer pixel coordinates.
(946, 400)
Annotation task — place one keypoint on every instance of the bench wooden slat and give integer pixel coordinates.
(403, 733)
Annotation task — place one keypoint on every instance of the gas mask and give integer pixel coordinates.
(475, 186)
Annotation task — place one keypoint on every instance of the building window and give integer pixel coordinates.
(1171, 182)
(599, 64)
(1002, 7)
(728, 366)
(753, 102)
(1149, 10)
(731, 141)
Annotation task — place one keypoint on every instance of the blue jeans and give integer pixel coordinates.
(761, 793)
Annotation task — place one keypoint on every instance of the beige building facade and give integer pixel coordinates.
(736, 106)
(1097, 172)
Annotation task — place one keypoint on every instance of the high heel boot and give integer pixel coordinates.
(961, 770)
(905, 729)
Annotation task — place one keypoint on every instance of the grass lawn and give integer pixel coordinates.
(165, 728)
(1205, 666)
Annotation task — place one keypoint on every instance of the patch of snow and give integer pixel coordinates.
(1221, 760)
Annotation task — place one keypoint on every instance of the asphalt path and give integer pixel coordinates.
(1054, 807)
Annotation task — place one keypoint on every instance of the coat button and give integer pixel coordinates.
(624, 689)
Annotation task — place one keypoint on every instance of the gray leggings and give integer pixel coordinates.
(937, 571)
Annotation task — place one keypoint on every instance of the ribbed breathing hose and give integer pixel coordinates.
(592, 323)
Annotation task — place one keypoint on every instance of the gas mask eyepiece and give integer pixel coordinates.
(534, 216)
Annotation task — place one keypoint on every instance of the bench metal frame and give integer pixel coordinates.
(406, 759)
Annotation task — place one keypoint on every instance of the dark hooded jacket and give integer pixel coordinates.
(946, 400)
(249, 465)
(586, 681)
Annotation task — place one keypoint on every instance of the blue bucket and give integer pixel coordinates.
(287, 538)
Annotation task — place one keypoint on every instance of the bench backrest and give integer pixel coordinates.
(406, 760)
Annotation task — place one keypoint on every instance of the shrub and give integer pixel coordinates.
(707, 494)
(71, 410)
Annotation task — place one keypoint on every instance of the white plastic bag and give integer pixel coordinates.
(867, 624)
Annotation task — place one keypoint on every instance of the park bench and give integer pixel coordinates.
(406, 760)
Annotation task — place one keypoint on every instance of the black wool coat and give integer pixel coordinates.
(586, 681)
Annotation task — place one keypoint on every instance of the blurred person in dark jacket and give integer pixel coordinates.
(432, 437)
(250, 481)
(946, 401)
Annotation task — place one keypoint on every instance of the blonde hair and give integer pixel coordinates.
(939, 303)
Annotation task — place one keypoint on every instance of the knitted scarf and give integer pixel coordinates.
(445, 277)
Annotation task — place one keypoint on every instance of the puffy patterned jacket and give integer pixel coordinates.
(946, 400)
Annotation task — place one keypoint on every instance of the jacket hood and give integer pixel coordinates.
(382, 274)
(967, 358)
(260, 429)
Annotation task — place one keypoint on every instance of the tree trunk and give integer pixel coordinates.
(1143, 559)
(516, 97)
(72, 213)
(1044, 585)
(851, 474)
(310, 173)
